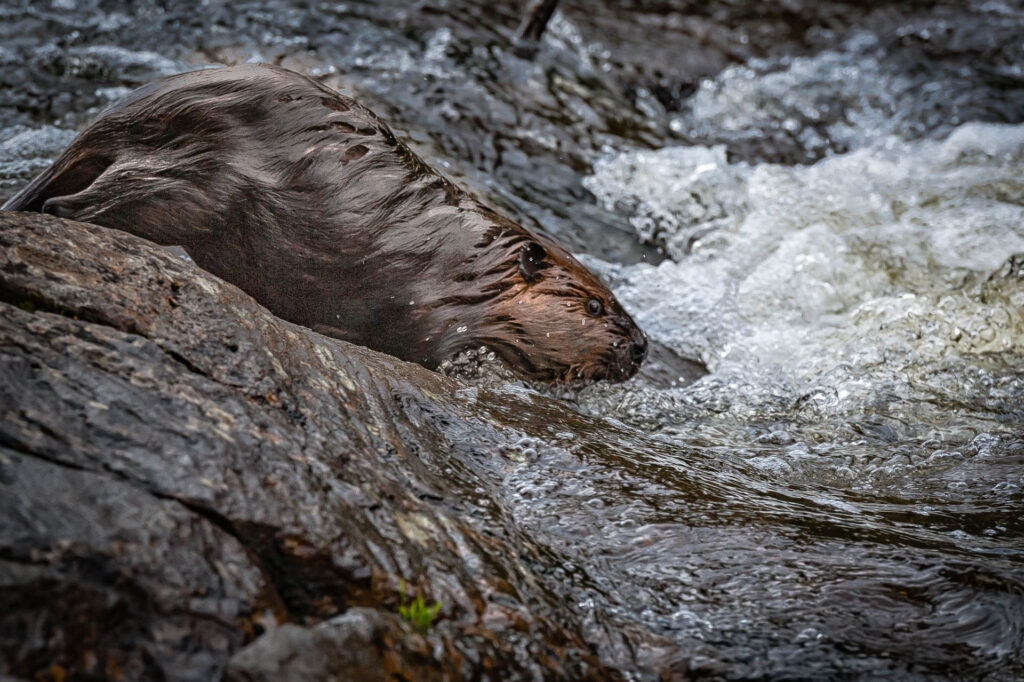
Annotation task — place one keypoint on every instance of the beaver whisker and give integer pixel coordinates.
(511, 354)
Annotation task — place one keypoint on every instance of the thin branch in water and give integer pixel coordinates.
(535, 21)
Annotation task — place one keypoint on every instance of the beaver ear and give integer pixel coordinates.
(531, 260)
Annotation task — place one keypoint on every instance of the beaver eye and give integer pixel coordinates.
(594, 307)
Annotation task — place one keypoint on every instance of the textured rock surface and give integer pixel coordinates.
(361, 644)
(180, 471)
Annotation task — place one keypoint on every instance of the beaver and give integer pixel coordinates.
(308, 202)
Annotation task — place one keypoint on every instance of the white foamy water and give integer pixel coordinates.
(870, 287)
(847, 98)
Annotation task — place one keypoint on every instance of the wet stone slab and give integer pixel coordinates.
(182, 472)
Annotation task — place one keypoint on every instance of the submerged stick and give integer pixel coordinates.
(535, 21)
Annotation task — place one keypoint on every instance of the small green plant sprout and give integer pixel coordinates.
(417, 612)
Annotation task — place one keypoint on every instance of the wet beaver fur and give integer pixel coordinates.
(306, 200)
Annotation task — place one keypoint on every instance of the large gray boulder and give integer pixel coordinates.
(191, 488)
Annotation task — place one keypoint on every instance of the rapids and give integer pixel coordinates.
(833, 226)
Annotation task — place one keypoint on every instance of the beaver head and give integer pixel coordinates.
(538, 308)
(307, 201)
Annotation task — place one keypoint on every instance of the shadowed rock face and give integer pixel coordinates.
(181, 471)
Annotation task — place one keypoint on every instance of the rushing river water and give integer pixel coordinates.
(841, 495)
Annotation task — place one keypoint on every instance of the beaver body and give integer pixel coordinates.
(306, 200)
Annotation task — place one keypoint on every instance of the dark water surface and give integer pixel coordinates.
(822, 202)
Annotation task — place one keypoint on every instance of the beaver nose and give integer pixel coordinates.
(639, 349)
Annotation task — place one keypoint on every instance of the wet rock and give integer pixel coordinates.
(964, 55)
(181, 472)
(666, 368)
(359, 645)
